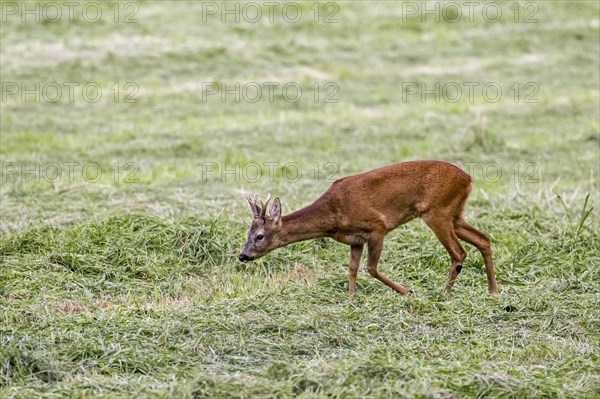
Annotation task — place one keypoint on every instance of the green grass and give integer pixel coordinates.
(131, 287)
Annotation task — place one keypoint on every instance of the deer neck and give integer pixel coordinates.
(304, 224)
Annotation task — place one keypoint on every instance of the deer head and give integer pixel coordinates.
(263, 228)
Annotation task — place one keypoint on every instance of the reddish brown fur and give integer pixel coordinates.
(362, 209)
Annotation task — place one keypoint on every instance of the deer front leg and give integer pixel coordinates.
(355, 254)
(375, 246)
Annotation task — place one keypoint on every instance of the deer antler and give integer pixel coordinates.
(252, 202)
(263, 212)
(258, 212)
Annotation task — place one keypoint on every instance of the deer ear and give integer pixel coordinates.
(275, 211)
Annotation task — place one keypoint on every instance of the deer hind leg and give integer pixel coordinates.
(482, 242)
(355, 254)
(443, 227)
(375, 246)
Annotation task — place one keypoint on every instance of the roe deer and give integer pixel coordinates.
(362, 209)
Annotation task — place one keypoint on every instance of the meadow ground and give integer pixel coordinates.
(122, 213)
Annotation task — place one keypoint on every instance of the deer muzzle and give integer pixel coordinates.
(245, 258)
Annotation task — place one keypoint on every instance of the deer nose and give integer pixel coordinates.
(244, 258)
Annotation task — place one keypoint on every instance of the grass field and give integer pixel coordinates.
(122, 213)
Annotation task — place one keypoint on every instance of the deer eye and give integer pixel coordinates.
(259, 237)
